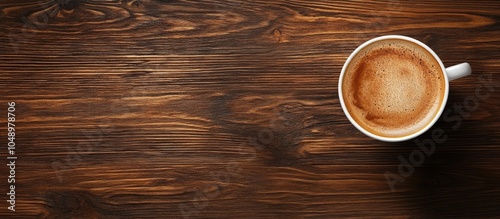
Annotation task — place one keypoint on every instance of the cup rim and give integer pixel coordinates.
(400, 138)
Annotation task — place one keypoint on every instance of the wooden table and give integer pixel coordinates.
(229, 109)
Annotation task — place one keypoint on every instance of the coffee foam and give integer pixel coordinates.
(393, 88)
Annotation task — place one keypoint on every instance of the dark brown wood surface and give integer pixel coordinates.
(229, 109)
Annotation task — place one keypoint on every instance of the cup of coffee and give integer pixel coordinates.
(394, 88)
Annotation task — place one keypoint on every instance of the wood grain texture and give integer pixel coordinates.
(224, 109)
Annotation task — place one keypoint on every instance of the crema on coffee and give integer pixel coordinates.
(393, 88)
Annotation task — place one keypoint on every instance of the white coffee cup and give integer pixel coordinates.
(450, 73)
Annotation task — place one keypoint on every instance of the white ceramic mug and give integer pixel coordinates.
(450, 73)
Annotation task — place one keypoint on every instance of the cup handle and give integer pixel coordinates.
(458, 71)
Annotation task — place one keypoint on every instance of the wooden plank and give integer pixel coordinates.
(218, 109)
